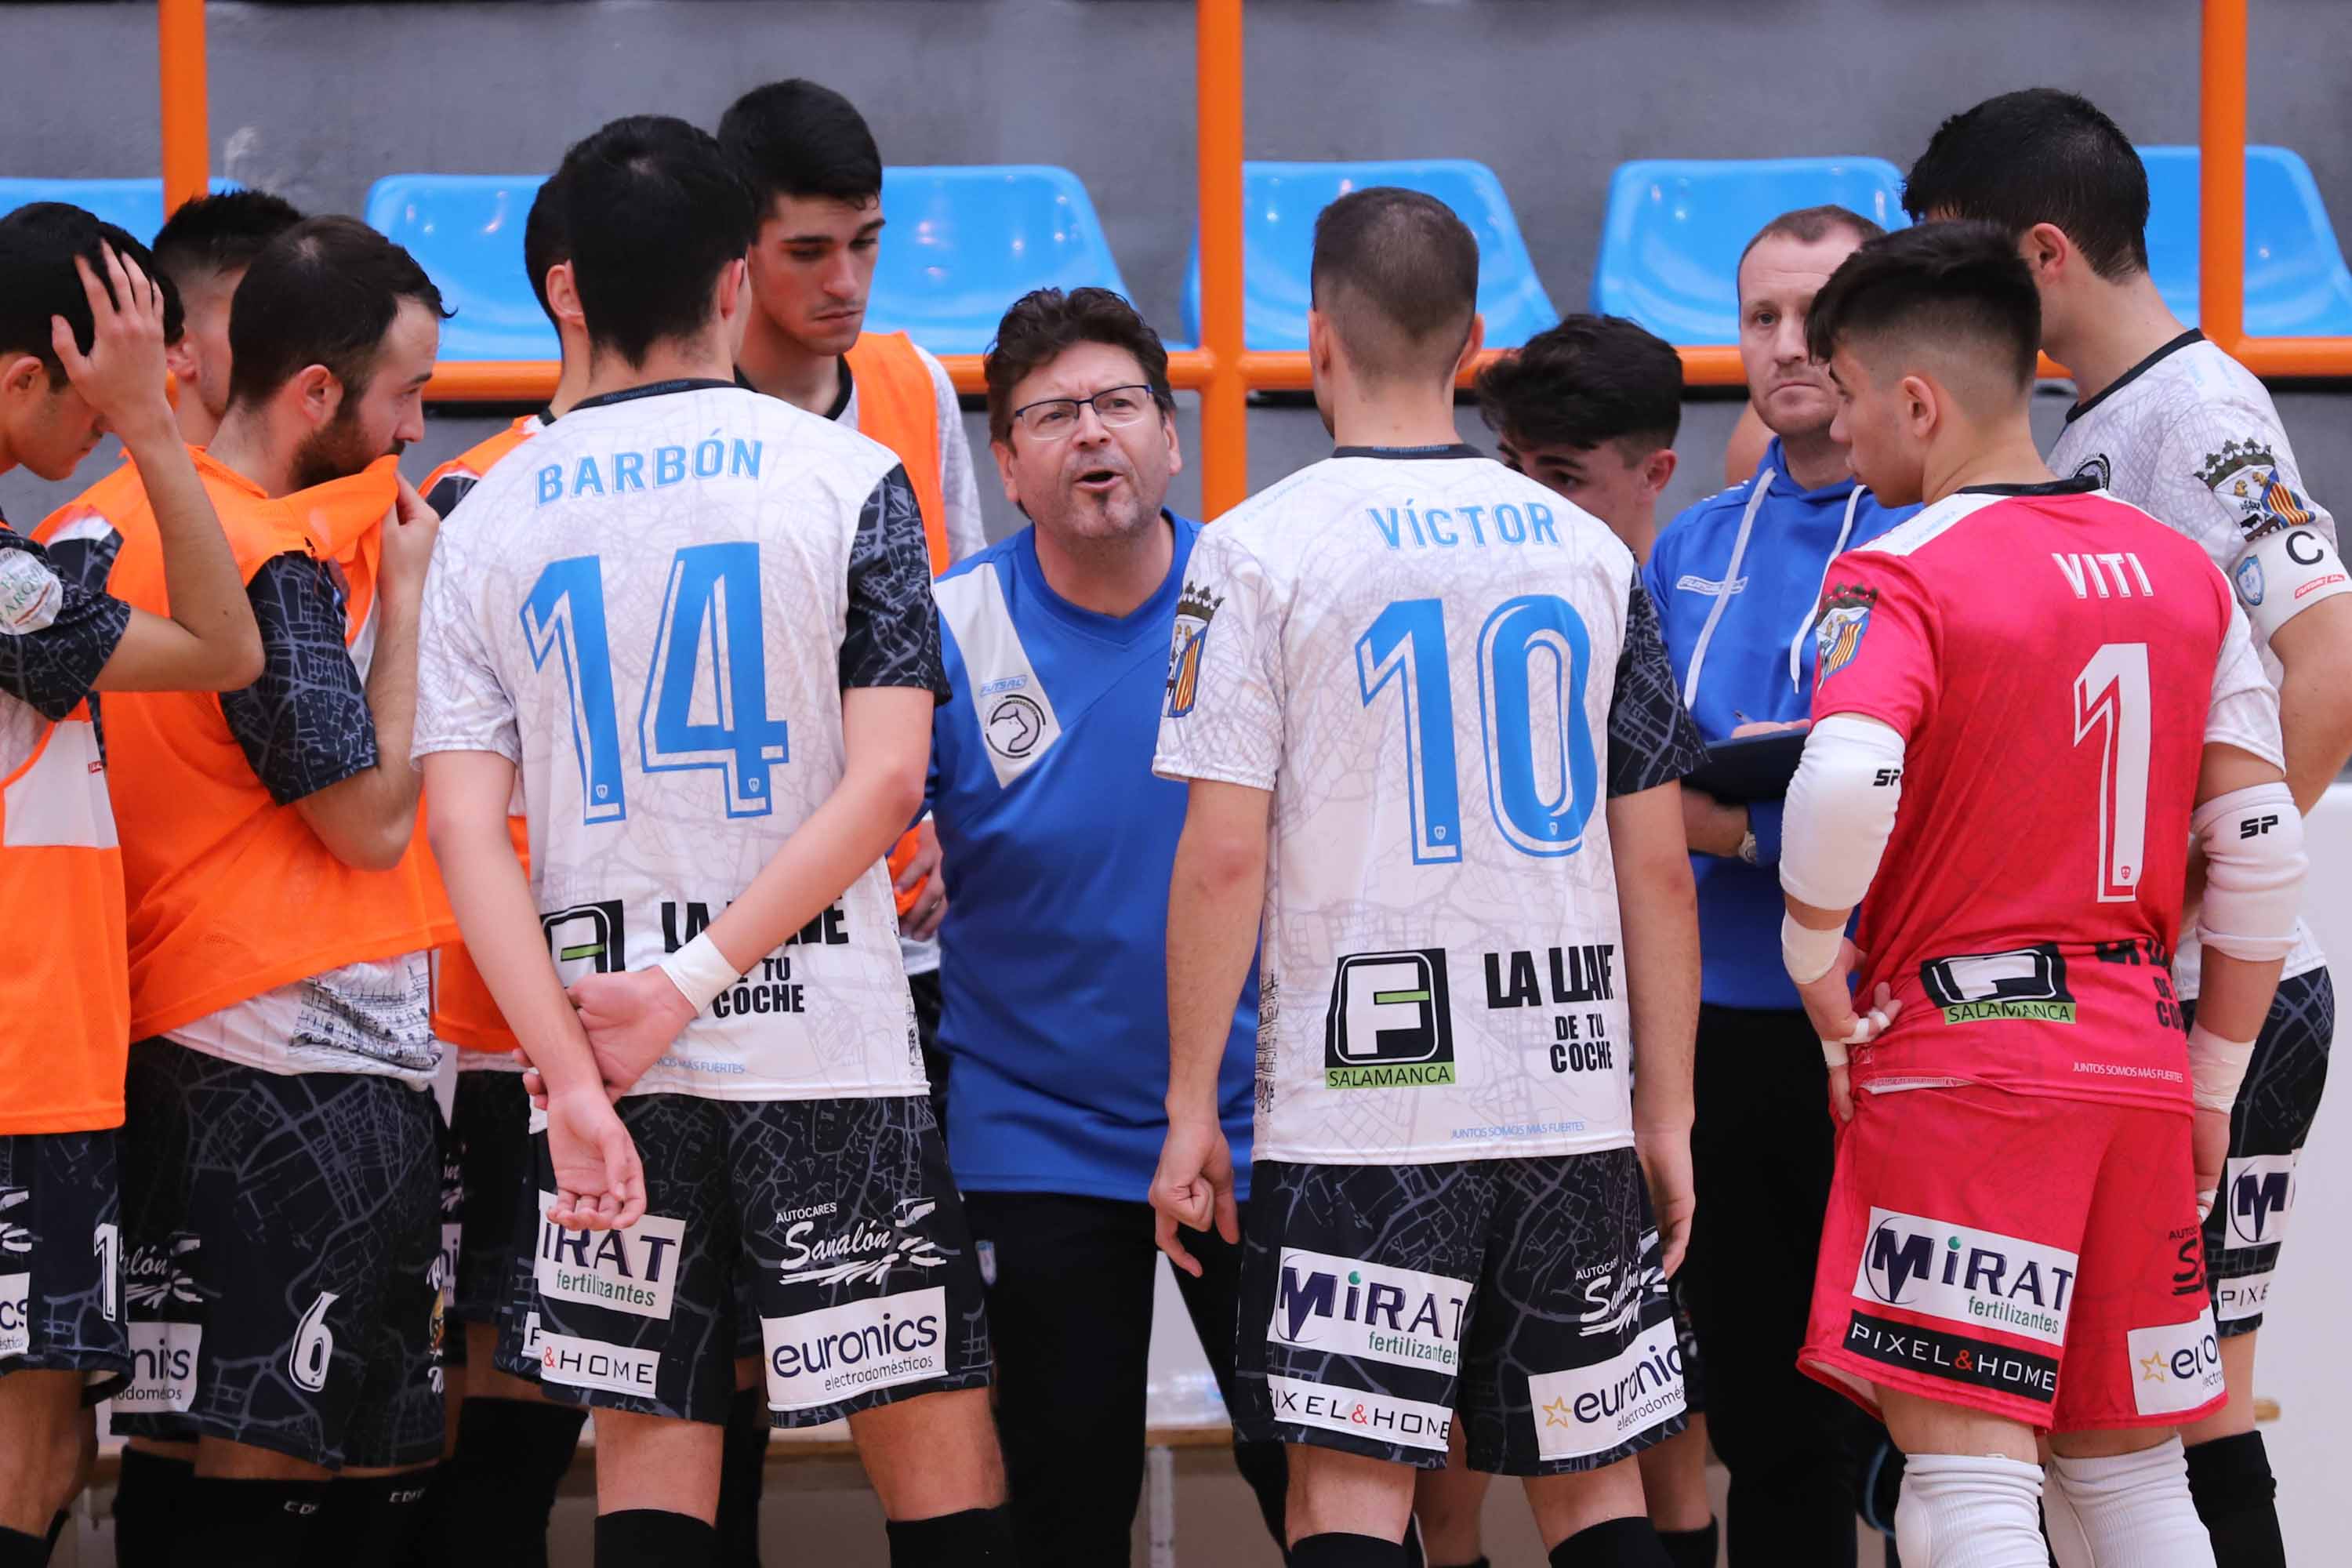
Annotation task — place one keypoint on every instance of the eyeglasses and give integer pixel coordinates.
(1055, 418)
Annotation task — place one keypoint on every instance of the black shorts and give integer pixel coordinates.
(840, 1213)
(2276, 1106)
(61, 1280)
(285, 1254)
(1379, 1302)
(490, 1126)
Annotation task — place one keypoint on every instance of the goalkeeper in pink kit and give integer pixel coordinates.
(2031, 699)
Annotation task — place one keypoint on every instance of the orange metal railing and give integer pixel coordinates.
(1224, 371)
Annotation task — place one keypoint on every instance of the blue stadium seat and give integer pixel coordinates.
(1279, 204)
(2297, 282)
(964, 243)
(1670, 245)
(466, 232)
(135, 206)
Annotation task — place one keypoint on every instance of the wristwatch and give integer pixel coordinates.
(1748, 845)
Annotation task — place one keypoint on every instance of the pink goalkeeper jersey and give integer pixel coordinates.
(2055, 660)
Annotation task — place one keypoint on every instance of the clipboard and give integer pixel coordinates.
(1750, 768)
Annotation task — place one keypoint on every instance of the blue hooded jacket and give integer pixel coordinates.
(1737, 580)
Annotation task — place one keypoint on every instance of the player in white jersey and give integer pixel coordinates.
(1433, 740)
(738, 1092)
(2168, 422)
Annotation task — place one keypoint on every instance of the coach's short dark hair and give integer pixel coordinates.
(1589, 380)
(656, 214)
(798, 138)
(1045, 323)
(220, 233)
(1950, 286)
(1809, 226)
(546, 236)
(38, 243)
(323, 293)
(1396, 273)
(2038, 155)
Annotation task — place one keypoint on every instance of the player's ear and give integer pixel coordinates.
(1175, 448)
(1476, 340)
(2047, 250)
(1319, 343)
(1922, 406)
(317, 392)
(23, 375)
(563, 294)
(1657, 472)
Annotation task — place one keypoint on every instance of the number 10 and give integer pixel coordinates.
(1532, 645)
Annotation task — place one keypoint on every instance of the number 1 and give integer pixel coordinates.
(2111, 694)
(1408, 639)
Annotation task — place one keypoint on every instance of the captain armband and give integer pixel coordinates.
(2252, 840)
(2283, 574)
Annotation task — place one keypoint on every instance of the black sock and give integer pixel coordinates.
(21, 1550)
(369, 1521)
(1611, 1543)
(428, 1542)
(950, 1540)
(1333, 1550)
(2230, 1481)
(259, 1524)
(1691, 1548)
(148, 1501)
(742, 1476)
(500, 1486)
(654, 1538)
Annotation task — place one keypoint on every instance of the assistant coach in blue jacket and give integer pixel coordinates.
(1738, 579)
(1056, 845)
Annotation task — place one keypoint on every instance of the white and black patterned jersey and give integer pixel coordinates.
(1442, 671)
(2191, 437)
(653, 611)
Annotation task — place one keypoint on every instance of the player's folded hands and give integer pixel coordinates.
(631, 1020)
(600, 1181)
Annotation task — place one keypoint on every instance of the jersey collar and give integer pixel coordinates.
(2078, 485)
(650, 389)
(2192, 336)
(1149, 617)
(1411, 454)
(840, 399)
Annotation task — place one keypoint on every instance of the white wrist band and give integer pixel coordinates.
(700, 970)
(1806, 954)
(1833, 1053)
(2216, 1068)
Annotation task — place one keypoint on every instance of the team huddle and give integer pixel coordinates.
(667, 922)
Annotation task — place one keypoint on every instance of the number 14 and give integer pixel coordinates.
(711, 609)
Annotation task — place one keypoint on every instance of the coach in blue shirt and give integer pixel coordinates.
(1056, 845)
(1738, 579)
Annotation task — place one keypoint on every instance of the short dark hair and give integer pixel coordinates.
(798, 138)
(1045, 321)
(546, 237)
(38, 243)
(2038, 155)
(656, 212)
(1590, 379)
(221, 233)
(1957, 284)
(1809, 226)
(323, 293)
(1397, 274)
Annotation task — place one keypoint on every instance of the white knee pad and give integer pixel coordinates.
(2129, 1511)
(1962, 1510)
